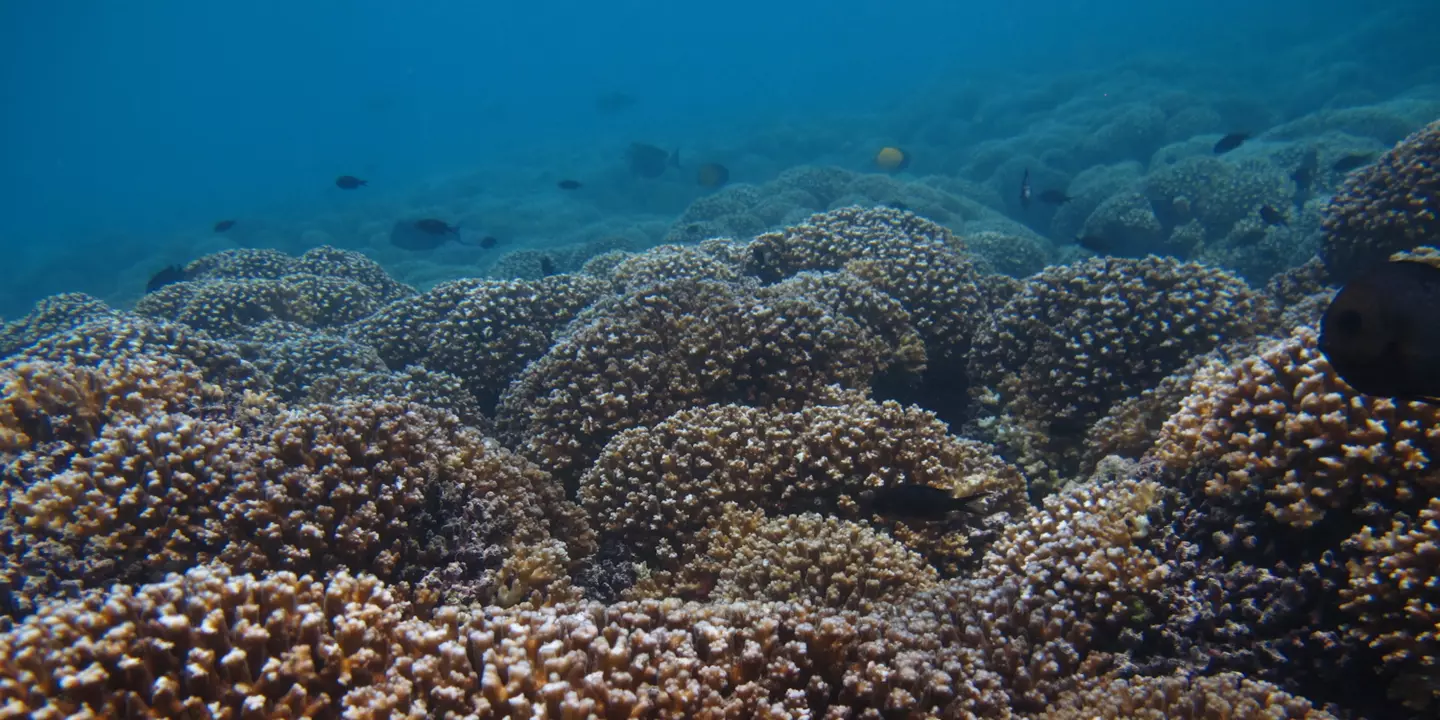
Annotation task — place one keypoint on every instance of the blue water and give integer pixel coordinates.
(130, 128)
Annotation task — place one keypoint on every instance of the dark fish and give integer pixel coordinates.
(1271, 216)
(712, 175)
(897, 205)
(488, 242)
(224, 225)
(757, 254)
(1380, 334)
(436, 227)
(167, 276)
(649, 161)
(1025, 190)
(1055, 197)
(1351, 162)
(920, 502)
(426, 234)
(348, 182)
(569, 185)
(547, 266)
(1093, 243)
(1230, 142)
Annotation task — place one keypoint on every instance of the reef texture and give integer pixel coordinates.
(1386, 207)
(1077, 339)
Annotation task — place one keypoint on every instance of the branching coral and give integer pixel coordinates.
(1282, 428)
(1391, 205)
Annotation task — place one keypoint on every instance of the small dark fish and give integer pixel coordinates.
(1351, 162)
(1380, 334)
(712, 175)
(436, 227)
(1093, 243)
(426, 234)
(547, 266)
(757, 254)
(569, 185)
(649, 161)
(920, 502)
(348, 182)
(1230, 142)
(488, 242)
(1055, 197)
(897, 205)
(1025, 190)
(167, 276)
(1271, 216)
(224, 225)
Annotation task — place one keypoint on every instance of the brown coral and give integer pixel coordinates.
(642, 357)
(1282, 428)
(1391, 205)
(659, 486)
(1180, 697)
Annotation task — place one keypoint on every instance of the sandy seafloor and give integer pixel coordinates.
(325, 477)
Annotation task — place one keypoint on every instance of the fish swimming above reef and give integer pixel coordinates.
(547, 266)
(648, 161)
(167, 276)
(1352, 162)
(891, 159)
(224, 225)
(349, 182)
(1055, 197)
(1230, 142)
(919, 502)
(1271, 216)
(1094, 243)
(1380, 334)
(1025, 190)
(712, 175)
(487, 242)
(425, 234)
(569, 185)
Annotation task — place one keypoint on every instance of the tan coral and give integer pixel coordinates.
(659, 486)
(1283, 428)
(809, 558)
(1218, 697)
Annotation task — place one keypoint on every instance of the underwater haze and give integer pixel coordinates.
(131, 128)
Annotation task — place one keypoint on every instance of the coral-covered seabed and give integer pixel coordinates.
(294, 486)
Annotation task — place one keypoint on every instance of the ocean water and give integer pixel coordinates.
(1044, 422)
(130, 130)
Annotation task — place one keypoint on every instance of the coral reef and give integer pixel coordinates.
(1387, 207)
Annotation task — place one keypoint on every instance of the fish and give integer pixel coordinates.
(1230, 142)
(168, 275)
(891, 159)
(1379, 332)
(224, 225)
(426, 234)
(920, 502)
(1271, 216)
(436, 227)
(569, 185)
(1350, 162)
(648, 161)
(712, 175)
(547, 266)
(1055, 197)
(897, 205)
(349, 182)
(488, 242)
(1093, 243)
(1025, 190)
